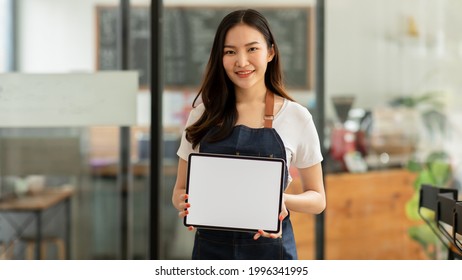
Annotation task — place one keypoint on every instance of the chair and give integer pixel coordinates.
(429, 199)
(457, 225)
(46, 242)
(6, 250)
(49, 156)
(446, 220)
(445, 213)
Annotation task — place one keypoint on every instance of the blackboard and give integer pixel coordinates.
(107, 48)
(187, 38)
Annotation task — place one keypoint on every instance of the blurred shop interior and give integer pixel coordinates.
(380, 77)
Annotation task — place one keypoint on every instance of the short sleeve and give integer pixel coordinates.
(308, 151)
(185, 146)
(295, 125)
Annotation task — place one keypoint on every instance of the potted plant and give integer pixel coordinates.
(431, 164)
(436, 171)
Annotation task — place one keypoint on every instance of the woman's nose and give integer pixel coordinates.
(242, 59)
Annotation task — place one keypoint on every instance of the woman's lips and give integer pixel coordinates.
(244, 74)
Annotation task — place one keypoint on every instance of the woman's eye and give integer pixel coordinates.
(253, 49)
(229, 52)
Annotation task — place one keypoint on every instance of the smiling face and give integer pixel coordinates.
(245, 58)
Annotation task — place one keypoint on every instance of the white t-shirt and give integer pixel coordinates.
(293, 123)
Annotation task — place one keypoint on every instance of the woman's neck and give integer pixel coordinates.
(251, 95)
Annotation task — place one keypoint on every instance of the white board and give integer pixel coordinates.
(234, 192)
(63, 100)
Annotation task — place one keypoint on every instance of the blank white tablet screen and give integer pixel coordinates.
(235, 193)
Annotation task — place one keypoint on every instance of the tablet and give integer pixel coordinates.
(237, 193)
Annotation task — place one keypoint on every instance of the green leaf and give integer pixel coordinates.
(422, 234)
(424, 177)
(437, 156)
(428, 214)
(441, 172)
(412, 207)
(414, 166)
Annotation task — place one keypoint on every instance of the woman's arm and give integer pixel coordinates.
(313, 198)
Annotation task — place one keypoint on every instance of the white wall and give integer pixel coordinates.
(57, 35)
(353, 49)
(369, 54)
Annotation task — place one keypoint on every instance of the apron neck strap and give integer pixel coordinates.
(269, 107)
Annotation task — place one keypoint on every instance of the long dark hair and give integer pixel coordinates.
(217, 90)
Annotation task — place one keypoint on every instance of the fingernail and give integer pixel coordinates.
(281, 217)
(260, 231)
(188, 205)
(190, 228)
(186, 196)
(186, 212)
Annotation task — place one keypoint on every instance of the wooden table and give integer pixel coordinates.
(364, 219)
(37, 204)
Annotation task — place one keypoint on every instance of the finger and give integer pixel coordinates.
(182, 199)
(274, 236)
(190, 228)
(184, 205)
(269, 235)
(183, 214)
(263, 233)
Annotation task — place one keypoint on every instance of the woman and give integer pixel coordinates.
(245, 110)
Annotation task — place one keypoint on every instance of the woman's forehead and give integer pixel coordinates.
(243, 34)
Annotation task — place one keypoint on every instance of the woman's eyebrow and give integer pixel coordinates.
(248, 44)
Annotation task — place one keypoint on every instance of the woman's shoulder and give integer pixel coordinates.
(295, 110)
(197, 111)
(195, 114)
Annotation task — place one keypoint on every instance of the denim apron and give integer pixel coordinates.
(227, 245)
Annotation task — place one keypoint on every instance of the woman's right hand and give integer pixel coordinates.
(182, 206)
(179, 195)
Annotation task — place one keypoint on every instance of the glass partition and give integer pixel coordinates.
(68, 37)
(72, 38)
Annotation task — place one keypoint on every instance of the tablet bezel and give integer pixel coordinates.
(279, 190)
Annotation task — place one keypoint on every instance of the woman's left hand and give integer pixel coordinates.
(282, 215)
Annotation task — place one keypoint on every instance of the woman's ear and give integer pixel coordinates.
(271, 53)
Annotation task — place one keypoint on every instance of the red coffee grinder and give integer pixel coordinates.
(343, 140)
